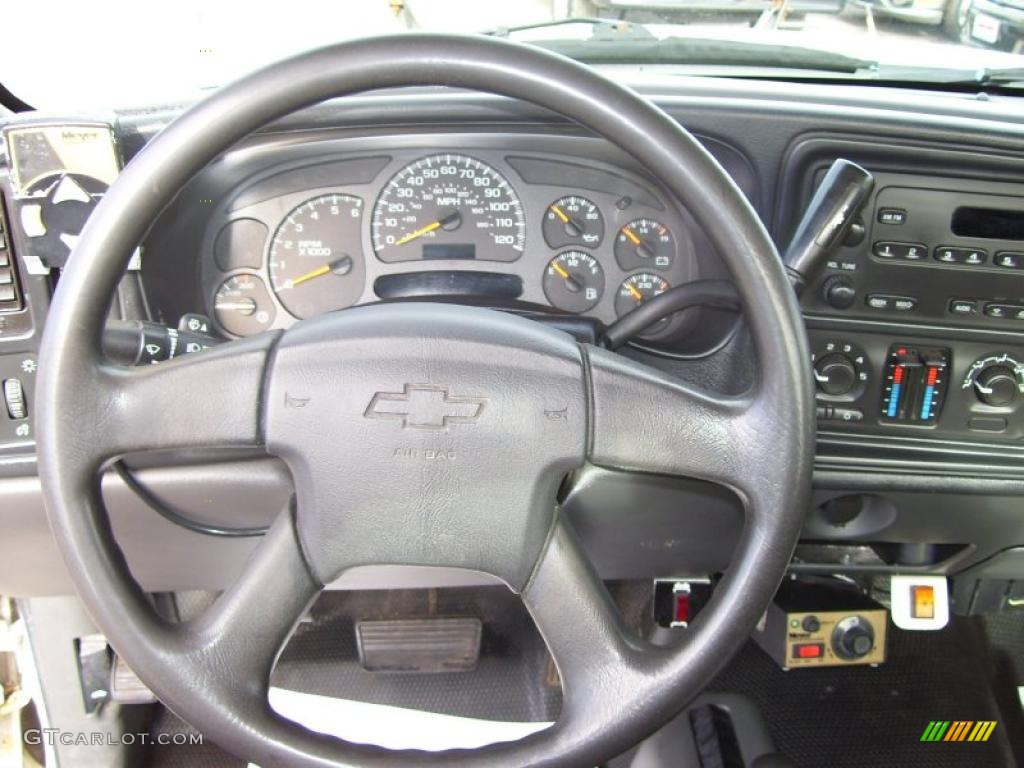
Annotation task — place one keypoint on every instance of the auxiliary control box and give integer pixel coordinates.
(817, 626)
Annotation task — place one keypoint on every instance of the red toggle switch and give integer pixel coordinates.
(808, 650)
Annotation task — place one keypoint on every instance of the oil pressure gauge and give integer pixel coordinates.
(573, 220)
(573, 281)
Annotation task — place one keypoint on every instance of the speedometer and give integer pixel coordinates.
(448, 206)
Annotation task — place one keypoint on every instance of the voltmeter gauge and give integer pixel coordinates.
(645, 244)
(574, 281)
(573, 220)
(242, 305)
(637, 289)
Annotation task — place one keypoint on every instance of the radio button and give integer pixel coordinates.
(892, 216)
(904, 251)
(1008, 311)
(884, 302)
(1009, 260)
(963, 307)
(948, 254)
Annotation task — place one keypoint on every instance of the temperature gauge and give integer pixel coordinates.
(573, 281)
(645, 243)
(635, 290)
(243, 306)
(573, 220)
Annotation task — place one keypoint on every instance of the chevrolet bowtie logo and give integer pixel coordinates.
(421, 406)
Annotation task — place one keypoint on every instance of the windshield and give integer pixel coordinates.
(66, 54)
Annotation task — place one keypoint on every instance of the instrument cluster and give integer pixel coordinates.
(536, 232)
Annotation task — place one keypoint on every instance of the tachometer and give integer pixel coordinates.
(448, 206)
(316, 260)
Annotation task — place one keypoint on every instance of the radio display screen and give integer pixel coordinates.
(990, 223)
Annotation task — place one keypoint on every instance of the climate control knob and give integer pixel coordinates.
(853, 638)
(835, 374)
(996, 385)
(997, 380)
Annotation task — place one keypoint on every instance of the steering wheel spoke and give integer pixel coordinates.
(237, 640)
(208, 399)
(594, 652)
(644, 420)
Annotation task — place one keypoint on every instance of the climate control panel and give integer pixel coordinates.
(918, 386)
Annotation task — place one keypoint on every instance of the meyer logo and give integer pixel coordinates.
(421, 406)
(958, 730)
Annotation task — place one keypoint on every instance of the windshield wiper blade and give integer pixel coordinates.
(999, 77)
(601, 29)
(1004, 76)
(706, 52)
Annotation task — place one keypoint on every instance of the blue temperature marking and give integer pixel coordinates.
(894, 400)
(926, 403)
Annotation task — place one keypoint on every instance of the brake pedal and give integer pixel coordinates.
(422, 646)
(126, 687)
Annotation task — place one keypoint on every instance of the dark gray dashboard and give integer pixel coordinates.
(939, 496)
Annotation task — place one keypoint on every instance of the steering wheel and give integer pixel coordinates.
(457, 425)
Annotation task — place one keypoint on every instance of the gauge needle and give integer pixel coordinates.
(636, 294)
(570, 282)
(341, 267)
(631, 235)
(574, 229)
(446, 222)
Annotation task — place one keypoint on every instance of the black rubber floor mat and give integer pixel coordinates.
(1001, 635)
(859, 716)
(508, 683)
(184, 755)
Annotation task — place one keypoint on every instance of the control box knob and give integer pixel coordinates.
(853, 638)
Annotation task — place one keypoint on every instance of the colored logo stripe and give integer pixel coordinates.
(935, 730)
(958, 730)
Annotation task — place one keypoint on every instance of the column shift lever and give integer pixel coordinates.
(827, 219)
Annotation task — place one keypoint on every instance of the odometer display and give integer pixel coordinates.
(448, 204)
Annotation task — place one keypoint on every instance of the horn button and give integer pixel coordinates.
(424, 434)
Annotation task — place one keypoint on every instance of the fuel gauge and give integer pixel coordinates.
(574, 281)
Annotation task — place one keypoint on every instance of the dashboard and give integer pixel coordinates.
(530, 223)
(915, 323)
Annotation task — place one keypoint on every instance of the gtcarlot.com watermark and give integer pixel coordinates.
(52, 737)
